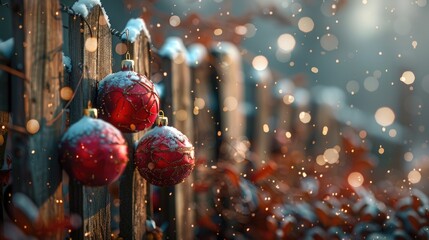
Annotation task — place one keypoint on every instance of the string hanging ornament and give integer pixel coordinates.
(127, 99)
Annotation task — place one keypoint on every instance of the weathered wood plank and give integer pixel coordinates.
(231, 91)
(89, 67)
(38, 38)
(204, 123)
(133, 187)
(177, 104)
(228, 88)
(263, 127)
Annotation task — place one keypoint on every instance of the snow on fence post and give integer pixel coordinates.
(90, 48)
(35, 104)
(133, 188)
(177, 202)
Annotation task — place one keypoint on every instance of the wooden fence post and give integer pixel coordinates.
(228, 87)
(263, 128)
(301, 114)
(327, 101)
(35, 103)
(178, 202)
(204, 122)
(133, 187)
(90, 52)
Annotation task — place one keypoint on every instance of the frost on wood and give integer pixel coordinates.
(302, 97)
(67, 63)
(284, 87)
(6, 48)
(227, 48)
(196, 54)
(84, 7)
(134, 26)
(330, 96)
(25, 206)
(172, 47)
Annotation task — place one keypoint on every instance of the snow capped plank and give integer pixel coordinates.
(84, 7)
(223, 48)
(6, 48)
(196, 54)
(135, 26)
(172, 47)
(67, 63)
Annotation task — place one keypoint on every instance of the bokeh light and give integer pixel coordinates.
(355, 179)
(286, 42)
(33, 126)
(306, 24)
(329, 42)
(304, 117)
(407, 77)
(174, 21)
(384, 116)
(91, 44)
(414, 176)
(260, 63)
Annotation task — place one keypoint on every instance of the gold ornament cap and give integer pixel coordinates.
(161, 120)
(90, 112)
(127, 63)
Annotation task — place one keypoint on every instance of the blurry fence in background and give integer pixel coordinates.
(251, 150)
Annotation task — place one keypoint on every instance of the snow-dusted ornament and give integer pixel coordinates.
(93, 151)
(127, 99)
(164, 156)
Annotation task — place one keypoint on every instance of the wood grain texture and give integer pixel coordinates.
(93, 204)
(38, 38)
(133, 191)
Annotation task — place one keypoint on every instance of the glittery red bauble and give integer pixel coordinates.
(128, 101)
(93, 152)
(164, 156)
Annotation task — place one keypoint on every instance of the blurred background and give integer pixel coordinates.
(368, 56)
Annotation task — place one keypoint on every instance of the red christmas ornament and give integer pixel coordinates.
(164, 156)
(93, 152)
(128, 100)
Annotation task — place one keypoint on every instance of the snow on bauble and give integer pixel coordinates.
(164, 156)
(93, 152)
(128, 100)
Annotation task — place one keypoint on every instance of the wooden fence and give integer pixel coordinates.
(202, 93)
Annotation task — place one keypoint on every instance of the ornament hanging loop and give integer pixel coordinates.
(127, 64)
(162, 120)
(90, 111)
